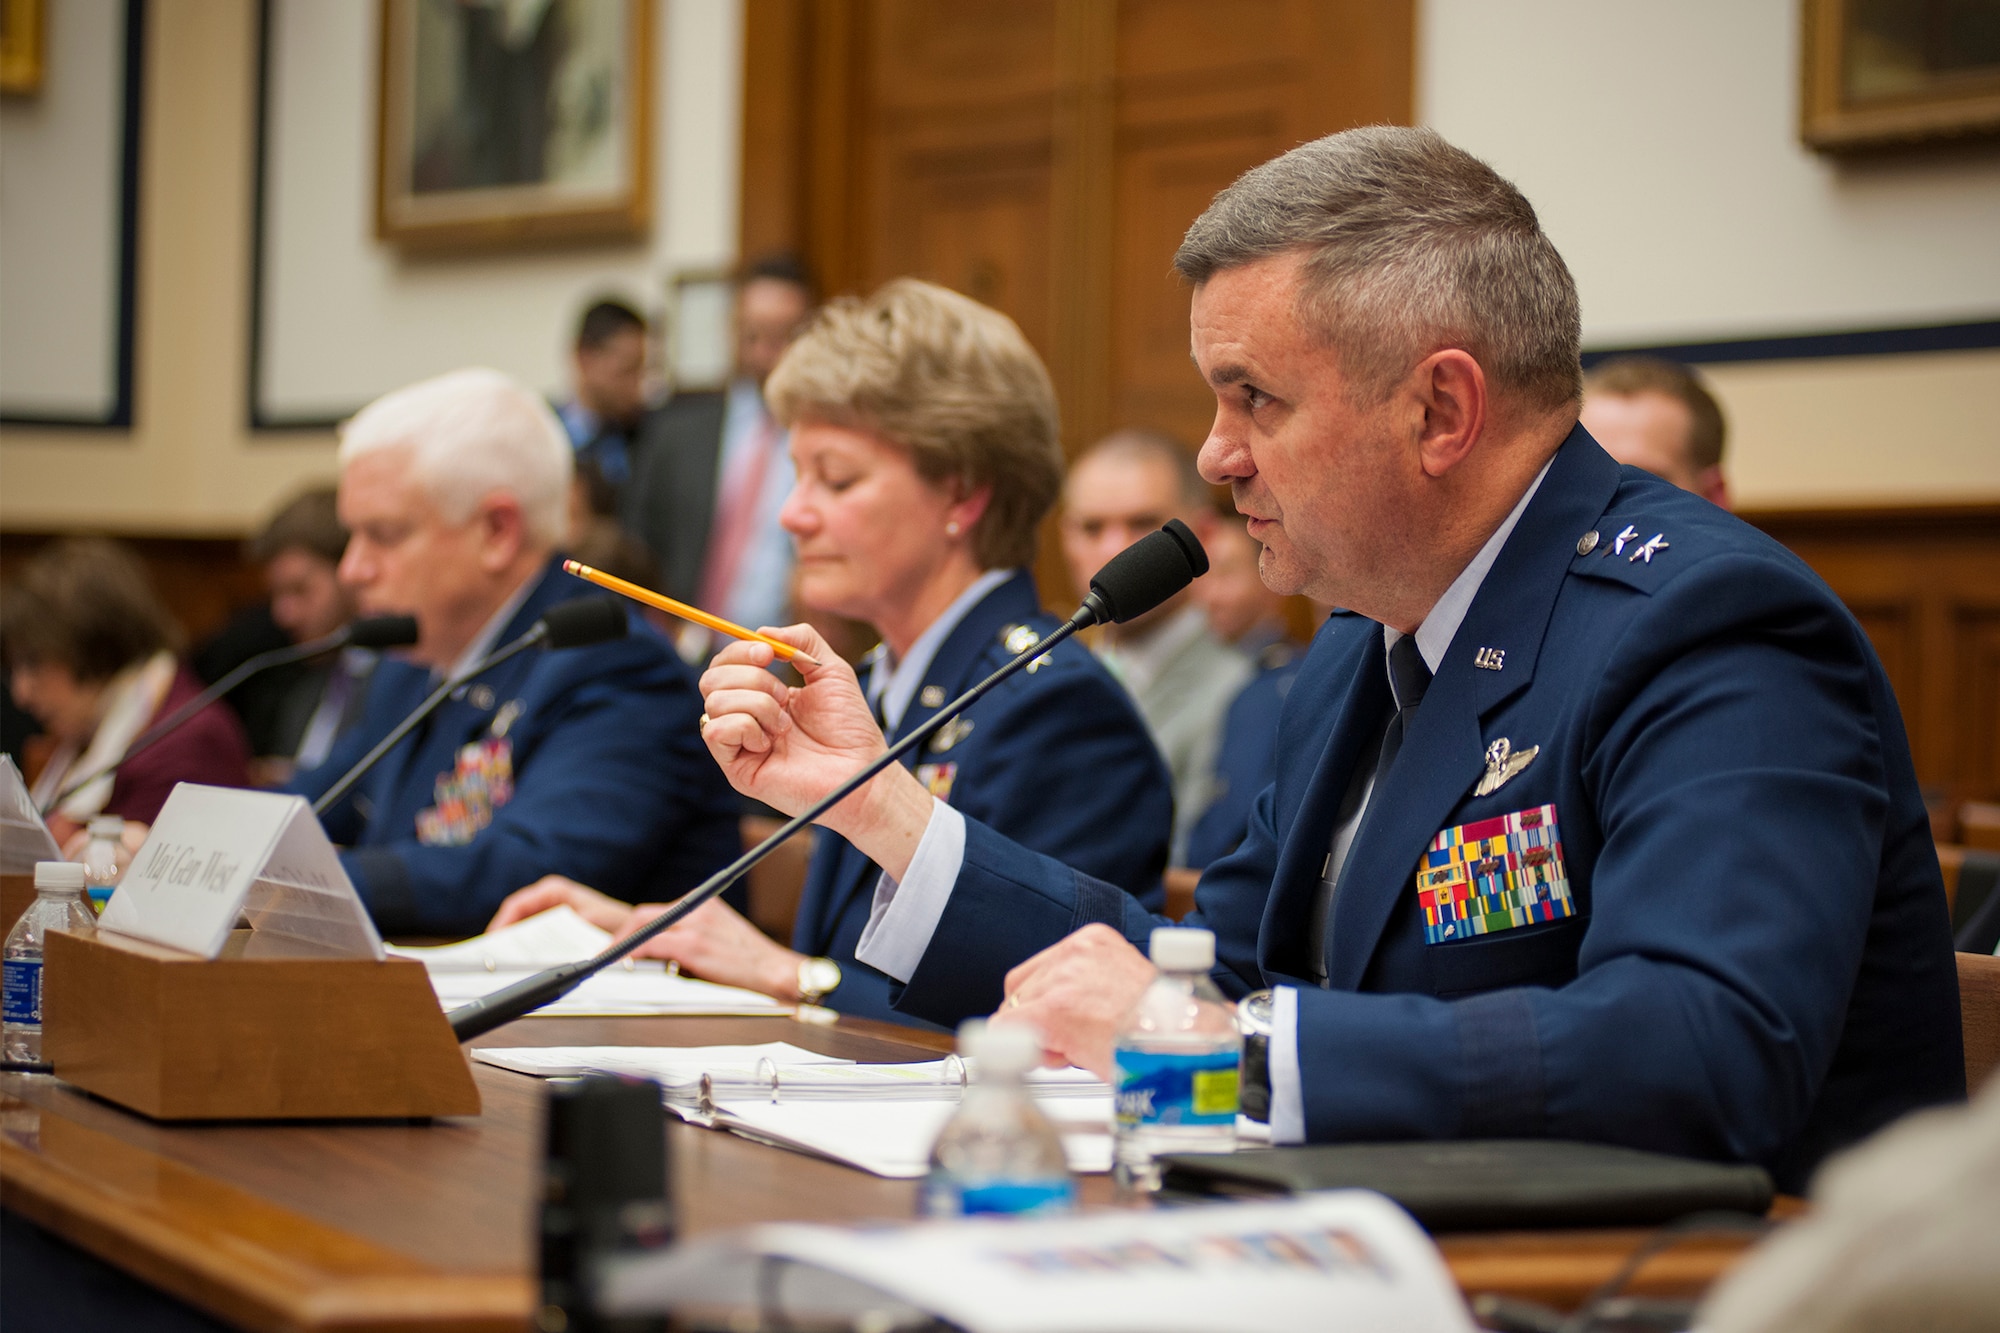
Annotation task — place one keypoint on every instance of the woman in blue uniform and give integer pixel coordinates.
(923, 430)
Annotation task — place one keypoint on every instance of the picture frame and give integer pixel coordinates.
(511, 126)
(24, 26)
(698, 328)
(1878, 74)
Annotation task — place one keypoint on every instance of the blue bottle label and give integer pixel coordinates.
(1175, 1088)
(21, 990)
(950, 1198)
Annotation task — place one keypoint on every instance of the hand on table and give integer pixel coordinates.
(788, 746)
(1076, 993)
(715, 942)
(552, 891)
(129, 843)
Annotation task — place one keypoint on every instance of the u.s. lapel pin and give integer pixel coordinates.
(950, 734)
(1503, 761)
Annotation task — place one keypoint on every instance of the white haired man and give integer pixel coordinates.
(584, 762)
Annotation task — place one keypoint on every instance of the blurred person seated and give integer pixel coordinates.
(90, 653)
(585, 761)
(605, 545)
(923, 428)
(1657, 415)
(607, 402)
(299, 551)
(1181, 674)
(1246, 758)
(713, 471)
(1241, 611)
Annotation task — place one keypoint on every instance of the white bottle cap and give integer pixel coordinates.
(1003, 1048)
(1183, 949)
(107, 826)
(58, 875)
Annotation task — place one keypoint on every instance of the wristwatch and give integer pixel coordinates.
(1254, 1019)
(818, 978)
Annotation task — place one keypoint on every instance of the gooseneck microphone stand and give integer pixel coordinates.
(1154, 568)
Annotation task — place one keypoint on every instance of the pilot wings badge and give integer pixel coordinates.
(1503, 761)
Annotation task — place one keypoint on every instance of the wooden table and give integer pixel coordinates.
(430, 1226)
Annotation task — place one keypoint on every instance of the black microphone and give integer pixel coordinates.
(368, 632)
(577, 623)
(1133, 582)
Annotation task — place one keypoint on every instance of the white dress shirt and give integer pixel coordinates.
(905, 916)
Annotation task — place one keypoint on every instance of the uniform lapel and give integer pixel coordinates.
(1356, 695)
(1443, 754)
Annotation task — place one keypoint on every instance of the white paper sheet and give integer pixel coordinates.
(548, 939)
(894, 1138)
(618, 991)
(1345, 1260)
(664, 1064)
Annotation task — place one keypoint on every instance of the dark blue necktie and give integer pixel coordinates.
(1408, 679)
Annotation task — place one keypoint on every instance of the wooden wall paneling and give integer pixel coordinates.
(777, 84)
(1925, 585)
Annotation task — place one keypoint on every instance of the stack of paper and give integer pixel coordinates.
(474, 968)
(881, 1118)
(1346, 1260)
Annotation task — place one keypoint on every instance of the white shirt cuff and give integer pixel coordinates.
(1288, 1102)
(904, 916)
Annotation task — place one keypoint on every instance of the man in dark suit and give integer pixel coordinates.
(1594, 816)
(603, 414)
(711, 469)
(582, 762)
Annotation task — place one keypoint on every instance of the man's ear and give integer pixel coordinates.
(503, 531)
(1451, 389)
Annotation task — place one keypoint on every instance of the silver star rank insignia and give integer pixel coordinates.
(1654, 544)
(1503, 761)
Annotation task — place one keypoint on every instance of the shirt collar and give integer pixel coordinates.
(489, 633)
(893, 688)
(1435, 634)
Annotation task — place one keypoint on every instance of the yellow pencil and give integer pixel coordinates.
(684, 611)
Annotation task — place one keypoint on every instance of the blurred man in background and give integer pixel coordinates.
(1656, 415)
(315, 703)
(1181, 675)
(713, 470)
(605, 411)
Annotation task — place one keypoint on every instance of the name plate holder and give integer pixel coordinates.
(174, 1010)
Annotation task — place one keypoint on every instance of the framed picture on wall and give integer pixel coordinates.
(506, 124)
(699, 328)
(1878, 73)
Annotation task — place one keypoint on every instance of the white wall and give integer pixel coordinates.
(1659, 143)
(190, 463)
(60, 157)
(347, 317)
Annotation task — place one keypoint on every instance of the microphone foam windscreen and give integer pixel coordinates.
(1149, 571)
(382, 632)
(582, 621)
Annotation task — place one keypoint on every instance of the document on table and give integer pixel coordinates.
(881, 1118)
(1348, 1260)
(472, 969)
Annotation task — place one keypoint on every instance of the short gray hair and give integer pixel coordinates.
(470, 433)
(1154, 446)
(1409, 245)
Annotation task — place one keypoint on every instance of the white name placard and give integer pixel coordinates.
(24, 838)
(217, 853)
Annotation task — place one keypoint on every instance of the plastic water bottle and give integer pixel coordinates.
(58, 905)
(1177, 1059)
(100, 858)
(998, 1153)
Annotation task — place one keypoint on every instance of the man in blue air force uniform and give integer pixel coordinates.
(584, 761)
(1057, 751)
(1594, 816)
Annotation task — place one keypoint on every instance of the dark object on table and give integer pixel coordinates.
(1488, 1184)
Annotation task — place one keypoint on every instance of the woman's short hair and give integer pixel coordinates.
(470, 433)
(949, 380)
(83, 603)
